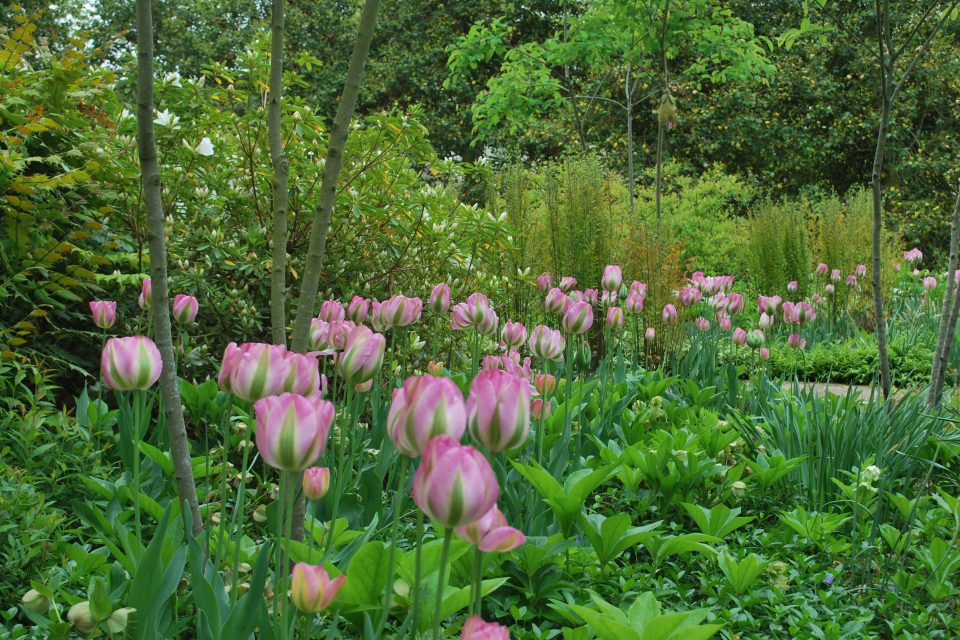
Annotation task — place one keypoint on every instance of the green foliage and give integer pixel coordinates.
(776, 249)
(643, 620)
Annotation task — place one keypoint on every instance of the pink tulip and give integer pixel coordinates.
(498, 409)
(320, 336)
(146, 295)
(185, 308)
(916, 272)
(302, 374)
(796, 342)
(292, 429)
(567, 284)
(423, 408)
(612, 278)
(822, 269)
(689, 296)
(805, 312)
(792, 286)
(765, 322)
(331, 310)
(556, 301)
(545, 384)
(861, 271)
(130, 363)
(540, 408)
(488, 326)
(669, 314)
(363, 387)
(929, 283)
(476, 629)
(397, 311)
(513, 335)
(739, 337)
(509, 362)
(358, 310)
(698, 279)
(337, 333)
(476, 312)
(702, 324)
(734, 303)
(544, 282)
(817, 299)
(830, 289)
(362, 355)
(546, 343)
(435, 368)
(316, 482)
(725, 323)
(578, 318)
(650, 334)
(454, 484)
(768, 304)
(852, 281)
(491, 533)
(311, 589)
(439, 301)
(913, 255)
(639, 288)
(253, 370)
(615, 318)
(764, 353)
(634, 303)
(104, 313)
(835, 275)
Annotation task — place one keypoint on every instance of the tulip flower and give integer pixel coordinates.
(755, 339)
(491, 533)
(454, 484)
(476, 312)
(578, 318)
(439, 301)
(476, 629)
(830, 289)
(423, 408)
(913, 255)
(768, 304)
(544, 282)
(498, 409)
(513, 335)
(302, 374)
(556, 301)
(689, 296)
(316, 482)
(650, 334)
(401, 311)
(634, 303)
(606, 298)
(792, 286)
(185, 308)
(331, 310)
(292, 429)
(311, 588)
(734, 303)
(130, 363)
(540, 408)
(104, 313)
(852, 281)
(358, 309)
(861, 271)
(929, 283)
(546, 343)
(725, 323)
(545, 384)
(615, 318)
(739, 337)
(612, 277)
(435, 368)
(822, 269)
(320, 336)
(805, 312)
(669, 314)
(253, 370)
(702, 324)
(796, 342)
(835, 275)
(146, 295)
(764, 353)
(567, 284)
(765, 322)
(362, 355)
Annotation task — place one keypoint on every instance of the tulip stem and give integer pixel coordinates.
(238, 510)
(397, 507)
(137, 416)
(417, 571)
(222, 531)
(288, 500)
(477, 581)
(441, 582)
(278, 572)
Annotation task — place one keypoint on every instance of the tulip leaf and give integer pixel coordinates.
(366, 578)
(242, 620)
(455, 599)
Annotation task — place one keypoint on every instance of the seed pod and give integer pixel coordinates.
(667, 113)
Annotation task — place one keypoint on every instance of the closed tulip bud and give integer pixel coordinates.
(634, 303)
(439, 301)
(130, 363)
(488, 326)
(607, 298)
(835, 275)
(794, 341)
(792, 286)
(764, 353)
(822, 269)
(689, 296)
(316, 482)
(362, 355)
(146, 295)
(292, 429)
(615, 318)
(491, 533)
(567, 284)
(81, 618)
(582, 356)
(303, 374)
(546, 343)
(544, 282)
(320, 336)
(755, 339)
(916, 272)
(475, 312)
(734, 303)
(556, 301)
(669, 314)
(639, 288)
(454, 484)
(770, 304)
(498, 409)
(540, 408)
(702, 324)
(725, 323)
(423, 408)
(650, 334)
(331, 310)
(588, 295)
(337, 333)
(765, 321)
(545, 384)
(435, 368)
(852, 281)
(805, 312)
(358, 309)
(612, 277)
(739, 337)
(513, 335)
(830, 289)
(929, 283)
(311, 588)
(861, 271)
(36, 602)
(253, 370)
(476, 629)
(363, 387)
(104, 313)
(400, 311)
(185, 308)
(578, 318)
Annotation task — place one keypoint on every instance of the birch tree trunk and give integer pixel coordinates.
(281, 170)
(150, 173)
(885, 382)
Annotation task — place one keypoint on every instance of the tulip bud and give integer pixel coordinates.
(423, 408)
(734, 303)
(634, 303)
(929, 283)
(185, 308)
(650, 334)
(835, 275)
(253, 370)
(540, 408)
(765, 321)
(320, 335)
(764, 353)
(513, 335)
(104, 313)
(582, 356)
(362, 355)
(130, 363)
(689, 296)
(607, 299)
(81, 619)
(612, 277)
(491, 533)
(435, 368)
(546, 343)
(852, 281)
(702, 324)
(439, 301)
(316, 482)
(792, 286)
(302, 374)
(331, 310)
(311, 588)
(725, 323)
(567, 284)
(292, 429)
(861, 271)
(822, 269)
(358, 309)
(556, 301)
(578, 318)
(615, 318)
(544, 282)
(755, 339)
(669, 314)
(476, 629)
(739, 337)
(146, 295)
(545, 384)
(498, 409)
(829, 289)
(454, 484)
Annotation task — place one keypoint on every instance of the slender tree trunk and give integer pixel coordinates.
(150, 173)
(631, 178)
(659, 185)
(328, 191)
(942, 350)
(281, 169)
(876, 279)
(574, 106)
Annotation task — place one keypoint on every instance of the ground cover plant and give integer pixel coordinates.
(268, 372)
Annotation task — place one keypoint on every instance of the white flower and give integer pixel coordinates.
(172, 79)
(205, 148)
(166, 119)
